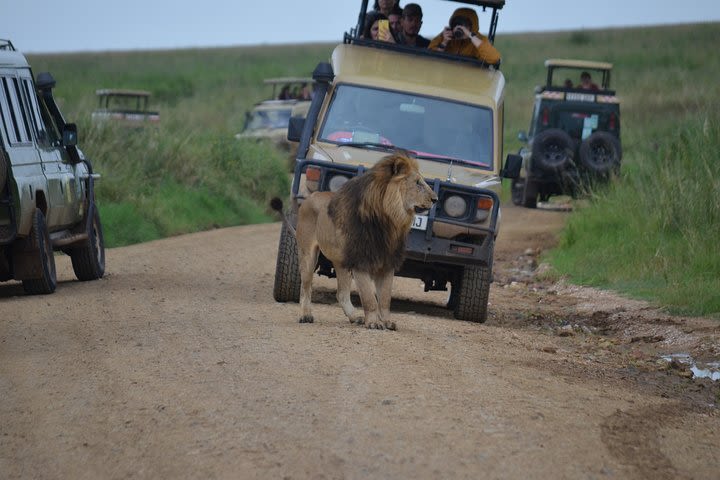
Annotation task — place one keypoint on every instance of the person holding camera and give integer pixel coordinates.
(461, 37)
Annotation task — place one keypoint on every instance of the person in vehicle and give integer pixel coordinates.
(285, 93)
(394, 20)
(410, 23)
(586, 82)
(372, 29)
(461, 37)
(305, 92)
(568, 83)
(385, 6)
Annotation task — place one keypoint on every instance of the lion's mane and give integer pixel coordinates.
(370, 211)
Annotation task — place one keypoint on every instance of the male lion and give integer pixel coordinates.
(361, 229)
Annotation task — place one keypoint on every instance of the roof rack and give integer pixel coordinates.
(559, 62)
(122, 92)
(6, 45)
(280, 80)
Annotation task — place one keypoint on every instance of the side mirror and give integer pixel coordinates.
(45, 81)
(522, 136)
(69, 135)
(295, 128)
(513, 164)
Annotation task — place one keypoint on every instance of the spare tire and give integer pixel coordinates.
(552, 150)
(600, 153)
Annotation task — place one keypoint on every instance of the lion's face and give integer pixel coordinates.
(417, 194)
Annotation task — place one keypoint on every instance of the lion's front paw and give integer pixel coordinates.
(360, 320)
(306, 319)
(390, 325)
(375, 326)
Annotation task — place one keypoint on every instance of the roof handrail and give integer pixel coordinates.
(6, 45)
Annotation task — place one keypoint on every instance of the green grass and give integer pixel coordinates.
(652, 234)
(655, 234)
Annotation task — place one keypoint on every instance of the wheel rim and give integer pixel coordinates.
(554, 155)
(602, 155)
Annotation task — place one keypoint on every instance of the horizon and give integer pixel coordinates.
(331, 42)
(36, 26)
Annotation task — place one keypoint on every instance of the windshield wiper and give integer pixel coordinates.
(452, 160)
(380, 146)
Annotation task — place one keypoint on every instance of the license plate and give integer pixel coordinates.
(580, 97)
(420, 222)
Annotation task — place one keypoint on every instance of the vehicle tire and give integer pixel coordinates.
(600, 153)
(88, 261)
(3, 171)
(473, 291)
(40, 241)
(287, 269)
(517, 188)
(552, 150)
(524, 192)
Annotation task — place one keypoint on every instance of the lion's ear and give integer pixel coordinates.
(400, 165)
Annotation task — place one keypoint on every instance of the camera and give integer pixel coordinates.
(458, 33)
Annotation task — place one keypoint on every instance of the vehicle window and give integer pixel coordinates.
(428, 126)
(19, 106)
(35, 111)
(269, 119)
(15, 131)
(8, 126)
(17, 109)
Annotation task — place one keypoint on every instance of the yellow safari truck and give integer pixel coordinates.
(446, 110)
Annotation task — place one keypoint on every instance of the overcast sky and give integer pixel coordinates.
(39, 26)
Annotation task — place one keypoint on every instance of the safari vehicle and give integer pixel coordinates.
(269, 118)
(447, 111)
(574, 137)
(124, 107)
(47, 199)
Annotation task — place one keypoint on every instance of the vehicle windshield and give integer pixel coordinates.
(571, 77)
(430, 127)
(276, 118)
(128, 103)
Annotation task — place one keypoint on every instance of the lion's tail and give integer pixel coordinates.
(277, 204)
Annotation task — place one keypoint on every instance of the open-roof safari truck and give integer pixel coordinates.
(268, 119)
(47, 199)
(447, 111)
(124, 107)
(574, 137)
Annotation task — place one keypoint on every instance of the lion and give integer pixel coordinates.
(361, 229)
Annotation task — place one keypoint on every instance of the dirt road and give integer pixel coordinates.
(179, 364)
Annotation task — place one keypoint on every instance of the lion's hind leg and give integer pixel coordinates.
(344, 284)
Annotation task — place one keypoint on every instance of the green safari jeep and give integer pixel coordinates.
(574, 137)
(47, 199)
(446, 110)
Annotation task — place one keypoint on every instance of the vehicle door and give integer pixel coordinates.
(63, 209)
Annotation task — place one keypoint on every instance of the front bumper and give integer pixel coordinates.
(446, 241)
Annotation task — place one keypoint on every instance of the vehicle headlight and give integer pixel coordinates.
(484, 206)
(312, 178)
(455, 206)
(336, 182)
